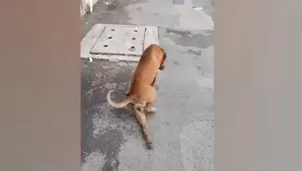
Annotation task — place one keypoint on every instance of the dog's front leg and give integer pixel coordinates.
(150, 108)
(153, 82)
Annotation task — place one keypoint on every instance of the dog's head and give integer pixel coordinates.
(162, 59)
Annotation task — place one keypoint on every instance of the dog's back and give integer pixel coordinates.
(148, 66)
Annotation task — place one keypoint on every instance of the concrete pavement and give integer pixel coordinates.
(182, 129)
(178, 14)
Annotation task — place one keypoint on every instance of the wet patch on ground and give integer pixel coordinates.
(207, 6)
(105, 129)
(190, 39)
(178, 2)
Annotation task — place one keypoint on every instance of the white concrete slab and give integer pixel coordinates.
(151, 36)
(103, 43)
(89, 40)
(120, 41)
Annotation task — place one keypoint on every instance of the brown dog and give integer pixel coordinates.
(142, 91)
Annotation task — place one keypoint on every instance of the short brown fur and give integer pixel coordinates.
(142, 92)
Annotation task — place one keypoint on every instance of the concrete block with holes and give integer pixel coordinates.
(118, 42)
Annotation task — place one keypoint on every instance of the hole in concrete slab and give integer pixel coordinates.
(110, 37)
(105, 45)
(133, 38)
(112, 29)
(135, 30)
(132, 48)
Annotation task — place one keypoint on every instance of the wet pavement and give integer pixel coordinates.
(182, 130)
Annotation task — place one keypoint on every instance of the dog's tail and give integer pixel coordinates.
(120, 104)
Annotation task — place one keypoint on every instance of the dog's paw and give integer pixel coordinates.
(151, 110)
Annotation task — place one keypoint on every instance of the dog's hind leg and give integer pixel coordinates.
(153, 83)
(140, 104)
(141, 118)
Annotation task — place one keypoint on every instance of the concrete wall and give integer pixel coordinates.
(258, 51)
(40, 85)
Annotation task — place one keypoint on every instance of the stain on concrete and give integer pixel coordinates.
(178, 32)
(104, 128)
(95, 161)
(207, 6)
(188, 39)
(176, 63)
(195, 52)
(205, 63)
(155, 14)
(164, 15)
(112, 6)
(138, 9)
(178, 2)
(109, 144)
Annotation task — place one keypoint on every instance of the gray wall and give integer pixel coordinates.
(257, 85)
(40, 85)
